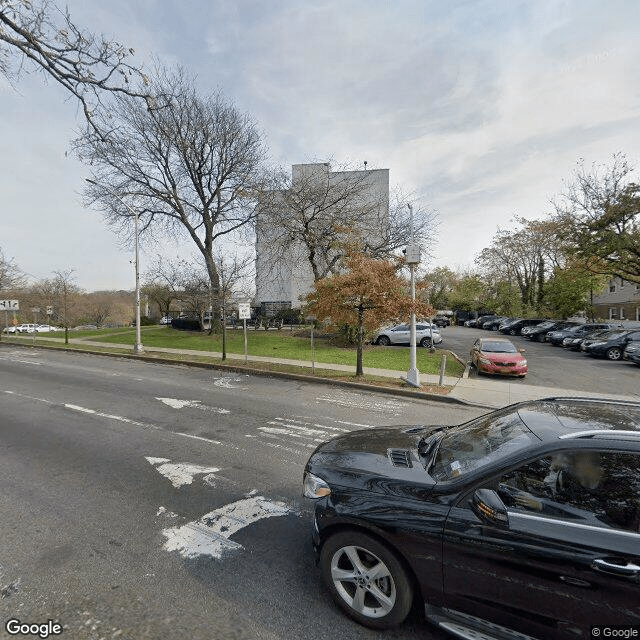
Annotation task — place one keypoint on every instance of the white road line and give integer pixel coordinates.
(297, 429)
(281, 446)
(22, 361)
(210, 534)
(287, 432)
(99, 414)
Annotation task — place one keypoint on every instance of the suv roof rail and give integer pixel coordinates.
(607, 434)
(633, 403)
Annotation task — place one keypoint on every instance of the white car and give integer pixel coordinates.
(45, 328)
(26, 328)
(400, 334)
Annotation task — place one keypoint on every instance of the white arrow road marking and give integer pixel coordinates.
(210, 534)
(180, 404)
(356, 401)
(225, 383)
(180, 473)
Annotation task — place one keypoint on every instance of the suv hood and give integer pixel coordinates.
(383, 460)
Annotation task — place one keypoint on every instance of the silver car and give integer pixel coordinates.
(400, 334)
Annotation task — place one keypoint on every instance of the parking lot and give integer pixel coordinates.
(551, 366)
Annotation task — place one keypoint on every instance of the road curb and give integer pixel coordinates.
(406, 393)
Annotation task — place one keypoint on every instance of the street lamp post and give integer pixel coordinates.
(412, 258)
(137, 348)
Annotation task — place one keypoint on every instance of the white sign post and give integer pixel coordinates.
(244, 313)
(9, 305)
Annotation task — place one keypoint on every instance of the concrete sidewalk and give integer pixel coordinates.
(486, 392)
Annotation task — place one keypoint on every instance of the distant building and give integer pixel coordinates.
(619, 301)
(283, 273)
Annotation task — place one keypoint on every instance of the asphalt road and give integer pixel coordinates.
(111, 469)
(554, 367)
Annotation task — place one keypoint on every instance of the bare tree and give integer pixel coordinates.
(40, 35)
(11, 277)
(161, 282)
(189, 165)
(97, 307)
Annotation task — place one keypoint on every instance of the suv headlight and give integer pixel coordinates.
(314, 487)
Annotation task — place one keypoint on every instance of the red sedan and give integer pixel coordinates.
(498, 355)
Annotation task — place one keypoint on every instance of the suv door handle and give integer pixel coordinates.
(608, 567)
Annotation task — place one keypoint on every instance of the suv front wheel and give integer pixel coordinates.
(366, 580)
(614, 353)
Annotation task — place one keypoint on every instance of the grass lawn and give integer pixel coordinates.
(277, 344)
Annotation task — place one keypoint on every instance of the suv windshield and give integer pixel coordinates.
(478, 443)
(607, 335)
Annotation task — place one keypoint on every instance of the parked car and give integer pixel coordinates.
(10, 329)
(472, 521)
(46, 328)
(400, 334)
(482, 319)
(514, 328)
(165, 320)
(575, 342)
(538, 332)
(632, 351)
(26, 328)
(493, 324)
(442, 321)
(556, 336)
(610, 345)
(498, 355)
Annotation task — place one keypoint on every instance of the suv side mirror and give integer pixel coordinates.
(488, 506)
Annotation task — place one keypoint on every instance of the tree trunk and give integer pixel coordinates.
(360, 343)
(224, 330)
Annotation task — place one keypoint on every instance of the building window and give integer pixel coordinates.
(637, 313)
(621, 313)
(612, 288)
(613, 312)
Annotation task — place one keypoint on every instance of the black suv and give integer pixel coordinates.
(610, 345)
(556, 337)
(538, 332)
(522, 523)
(514, 328)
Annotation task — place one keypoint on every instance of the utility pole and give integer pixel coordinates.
(413, 258)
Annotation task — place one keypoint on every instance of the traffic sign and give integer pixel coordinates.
(9, 305)
(244, 310)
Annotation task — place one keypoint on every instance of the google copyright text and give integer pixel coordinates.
(15, 627)
(616, 631)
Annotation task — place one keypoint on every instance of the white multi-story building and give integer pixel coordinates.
(284, 275)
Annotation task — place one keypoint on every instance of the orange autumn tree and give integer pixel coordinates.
(367, 294)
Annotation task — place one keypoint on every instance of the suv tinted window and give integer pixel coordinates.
(596, 488)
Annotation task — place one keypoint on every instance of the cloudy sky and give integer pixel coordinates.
(480, 107)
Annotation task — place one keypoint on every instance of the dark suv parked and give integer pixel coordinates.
(522, 523)
(493, 324)
(632, 351)
(610, 345)
(557, 336)
(514, 328)
(538, 332)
